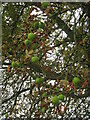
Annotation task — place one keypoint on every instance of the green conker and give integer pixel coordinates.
(76, 81)
(14, 64)
(61, 97)
(55, 100)
(35, 59)
(31, 36)
(6, 115)
(27, 42)
(39, 80)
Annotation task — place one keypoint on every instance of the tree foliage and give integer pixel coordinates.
(38, 70)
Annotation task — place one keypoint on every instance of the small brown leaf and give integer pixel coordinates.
(8, 69)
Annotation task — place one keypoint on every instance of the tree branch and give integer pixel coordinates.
(64, 27)
(15, 22)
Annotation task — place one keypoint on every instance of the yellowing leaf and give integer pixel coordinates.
(64, 82)
(28, 53)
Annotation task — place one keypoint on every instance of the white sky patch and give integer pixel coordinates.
(52, 82)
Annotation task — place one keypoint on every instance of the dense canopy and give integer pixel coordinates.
(45, 60)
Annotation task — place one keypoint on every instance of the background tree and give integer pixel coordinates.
(45, 60)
